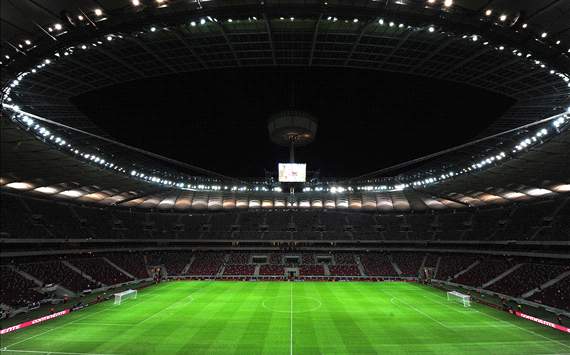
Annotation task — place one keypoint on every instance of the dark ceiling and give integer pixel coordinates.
(217, 120)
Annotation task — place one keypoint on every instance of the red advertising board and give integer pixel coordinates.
(33, 322)
(543, 322)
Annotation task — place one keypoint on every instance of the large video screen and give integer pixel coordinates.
(292, 172)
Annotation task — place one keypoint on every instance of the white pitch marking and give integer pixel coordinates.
(172, 305)
(421, 312)
(509, 323)
(49, 352)
(65, 324)
(52, 329)
(291, 316)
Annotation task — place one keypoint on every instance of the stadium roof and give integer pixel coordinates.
(55, 50)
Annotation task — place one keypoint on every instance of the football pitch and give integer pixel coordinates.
(208, 317)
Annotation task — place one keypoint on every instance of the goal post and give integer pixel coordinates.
(459, 297)
(125, 295)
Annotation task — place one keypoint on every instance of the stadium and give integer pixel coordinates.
(285, 177)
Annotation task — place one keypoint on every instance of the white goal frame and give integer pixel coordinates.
(125, 295)
(459, 297)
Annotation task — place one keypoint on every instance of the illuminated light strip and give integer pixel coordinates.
(33, 322)
(543, 322)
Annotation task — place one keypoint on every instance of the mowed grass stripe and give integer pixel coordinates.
(205, 317)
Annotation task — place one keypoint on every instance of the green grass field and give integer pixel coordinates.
(199, 317)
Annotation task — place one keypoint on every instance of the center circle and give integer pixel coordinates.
(283, 304)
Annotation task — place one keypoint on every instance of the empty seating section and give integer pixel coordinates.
(392, 227)
(307, 259)
(559, 228)
(278, 221)
(277, 235)
(485, 271)
(376, 264)
(306, 221)
(420, 226)
(485, 223)
(50, 213)
(206, 264)
(409, 263)
(97, 223)
(174, 262)
(134, 264)
(528, 277)
(275, 259)
(165, 225)
(238, 258)
(100, 270)
(308, 235)
(344, 270)
(362, 223)
(333, 221)
(557, 295)
(344, 258)
(451, 226)
(18, 222)
(450, 265)
(271, 270)
(16, 290)
(431, 260)
(220, 226)
(193, 224)
(311, 270)
(55, 272)
(241, 270)
(542, 220)
(526, 219)
(130, 224)
(251, 221)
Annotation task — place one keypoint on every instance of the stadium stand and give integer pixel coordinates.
(55, 272)
(311, 270)
(557, 295)
(206, 264)
(376, 264)
(271, 270)
(529, 276)
(344, 270)
(450, 265)
(16, 290)
(174, 262)
(409, 263)
(486, 270)
(100, 270)
(134, 264)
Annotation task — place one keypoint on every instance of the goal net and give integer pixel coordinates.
(125, 295)
(459, 297)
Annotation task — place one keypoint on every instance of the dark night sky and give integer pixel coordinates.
(367, 120)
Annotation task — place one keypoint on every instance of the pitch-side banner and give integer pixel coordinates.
(33, 322)
(543, 322)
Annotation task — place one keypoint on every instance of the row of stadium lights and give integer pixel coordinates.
(154, 178)
(99, 15)
(48, 137)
